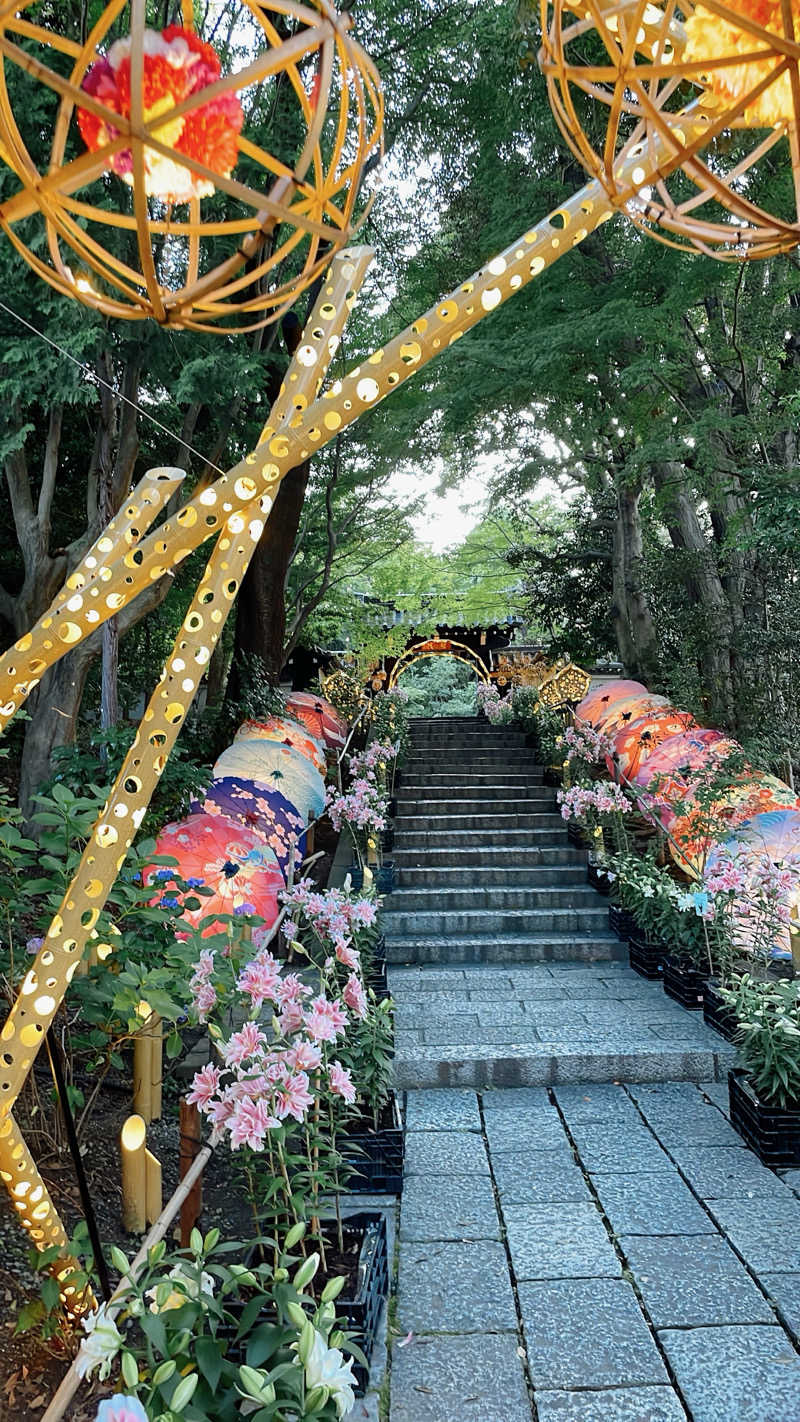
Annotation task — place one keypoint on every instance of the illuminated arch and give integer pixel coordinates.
(439, 647)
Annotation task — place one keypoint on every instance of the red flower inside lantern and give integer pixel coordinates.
(176, 64)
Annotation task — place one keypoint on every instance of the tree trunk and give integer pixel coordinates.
(54, 718)
(633, 624)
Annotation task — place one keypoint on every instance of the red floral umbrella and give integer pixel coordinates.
(694, 827)
(636, 742)
(668, 772)
(597, 701)
(322, 719)
(627, 709)
(284, 732)
(216, 853)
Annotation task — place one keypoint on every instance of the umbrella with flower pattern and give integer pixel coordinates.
(597, 701)
(214, 852)
(278, 766)
(694, 826)
(321, 718)
(264, 811)
(284, 732)
(635, 742)
(629, 708)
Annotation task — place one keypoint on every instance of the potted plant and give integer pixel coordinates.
(764, 1092)
(640, 886)
(373, 1146)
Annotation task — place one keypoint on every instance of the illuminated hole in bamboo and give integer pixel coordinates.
(410, 352)
(45, 1004)
(447, 311)
(332, 420)
(106, 836)
(491, 298)
(537, 266)
(245, 488)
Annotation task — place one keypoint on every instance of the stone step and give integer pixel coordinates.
(471, 741)
(486, 1024)
(491, 895)
(507, 948)
(466, 922)
(509, 858)
(486, 756)
(456, 876)
(488, 823)
(417, 840)
(504, 801)
(485, 780)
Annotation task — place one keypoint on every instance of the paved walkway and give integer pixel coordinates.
(605, 1253)
(571, 1249)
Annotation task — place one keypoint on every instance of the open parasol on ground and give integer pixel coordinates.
(597, 701)
(627, 709)
(264, 811)
(321, 718)
(278, 766)
(768, 842)
(634, 743)
(216, 853)
(695, 826)
(284, 732)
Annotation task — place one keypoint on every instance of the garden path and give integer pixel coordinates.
(583, 1236)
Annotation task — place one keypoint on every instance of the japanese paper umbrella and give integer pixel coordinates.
(216, 853)
(278, 766)
(267, 812)
(597, 701)
(772, 837)
(694, 827)
(322, 719)
(284, 732)
(634, 743)
(628, 708)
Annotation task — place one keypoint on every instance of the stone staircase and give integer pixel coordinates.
(510, 974)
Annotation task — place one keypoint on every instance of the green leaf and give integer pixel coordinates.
(209, 1360)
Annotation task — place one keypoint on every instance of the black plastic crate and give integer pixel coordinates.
(645, 956)
(718, 1013)
(376, 1157)
(376, 978)
(598, 879)
(576, 835)
(684, 984)
(552, 775)
(621, 921)
(772, 1133)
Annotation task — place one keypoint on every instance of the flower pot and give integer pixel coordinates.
(375, 979)
(576, 835)
(717, 1013)
(376, 1157)
(356, 873)
(552, 775)
(773, 1133)
(384, 877)
(645, 955)
(391, 808)
(683, 982)
(598, 879)
(621, 921)
(387, 839)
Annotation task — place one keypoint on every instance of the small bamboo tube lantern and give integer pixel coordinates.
(133, 1157)
(153, 1192)
(147, 1068)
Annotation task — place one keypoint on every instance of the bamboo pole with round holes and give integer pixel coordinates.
(45, 984)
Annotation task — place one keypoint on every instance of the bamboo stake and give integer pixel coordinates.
(153, 1191)
(70, 1384)
(191, 1140)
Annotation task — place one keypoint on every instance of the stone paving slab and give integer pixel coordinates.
(765, 1233)
(629, 1404)
(453, 1152)
(692, 1282)
(736, 1374)
(595, 1104)
(450, 1380)
(720, 1172)
(442, 1111)
(538, 1180)
(455, 1288)
(709, 1129)
(784, 1290)
(528, 1133)
(563, 1241)
(448, 1207)
(588, 1333)
(651, 1205)
(625, 1150)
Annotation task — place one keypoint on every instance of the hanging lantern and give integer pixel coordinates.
(284, 732)
(701, 107)
(263, 811)
(321, 718)
(281, 768)
(216, 853)
(155, 197)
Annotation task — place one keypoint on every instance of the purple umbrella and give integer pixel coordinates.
(262, 809)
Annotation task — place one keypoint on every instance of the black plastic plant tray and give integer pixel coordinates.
(376, 1157)
(621, 922)
(598, 879)
(772, 1133)
(718, 1013)
(645, 956)
(684, 984)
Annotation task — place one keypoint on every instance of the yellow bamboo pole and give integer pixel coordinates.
(133, 1166)
(154, 1198)
(45, 984)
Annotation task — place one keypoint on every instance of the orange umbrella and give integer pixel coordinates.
(694, 828)
(636, 741)
(597, 701)
(321, 718)
(216, 853)
(285, 732)
(628, 708)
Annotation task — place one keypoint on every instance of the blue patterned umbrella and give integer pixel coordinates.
(279, 767)
(267, 812)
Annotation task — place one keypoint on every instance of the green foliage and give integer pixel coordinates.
(440, 686)
(768, 1037)
(368, 1054)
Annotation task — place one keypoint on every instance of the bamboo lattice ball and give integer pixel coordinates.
(683, 112)
(153, 199)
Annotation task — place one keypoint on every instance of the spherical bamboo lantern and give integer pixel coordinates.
(152, 199)
(697, 95)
